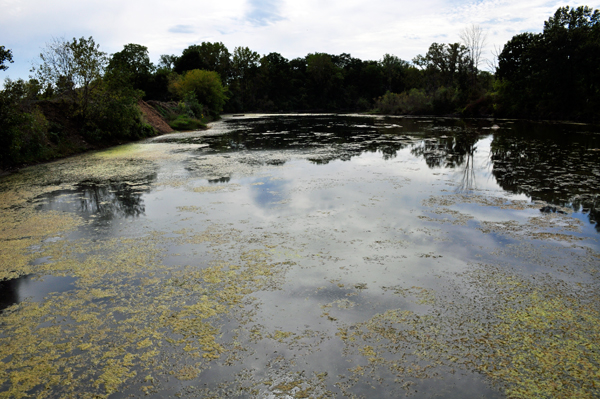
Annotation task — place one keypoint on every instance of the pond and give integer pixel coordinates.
(296, 256)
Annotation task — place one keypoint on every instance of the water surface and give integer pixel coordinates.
(308, 256)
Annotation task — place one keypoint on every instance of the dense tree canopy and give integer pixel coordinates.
(556, 73)
(207, 56)
(133, 64)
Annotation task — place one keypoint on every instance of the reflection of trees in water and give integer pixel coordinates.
(343, 136)
(220, 180)
(555, 166)
(9, 292)
(112, 200)
(454, 152)
(108, 201)
(448, 151)
(467, 181)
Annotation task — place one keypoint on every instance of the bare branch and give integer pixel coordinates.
(493, 63)
(474, 38)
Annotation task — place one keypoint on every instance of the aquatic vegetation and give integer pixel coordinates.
(199, 266)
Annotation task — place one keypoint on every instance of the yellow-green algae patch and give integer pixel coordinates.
(129, 315)
(22, 228)
(533, 339)
(104, 335)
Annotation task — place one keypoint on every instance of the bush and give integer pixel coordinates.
(205, 86)
(114, 116)
(445, 100)
(23, 127)
(414, 102)
(191, 107)
(184, 122)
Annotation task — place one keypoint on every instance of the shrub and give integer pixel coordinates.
(23, 127)
(445, 100)
(184, 122)
(414, 102)
(114, 115)
(205, 86)
(191, 107)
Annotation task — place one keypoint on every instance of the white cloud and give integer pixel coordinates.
(365, 29)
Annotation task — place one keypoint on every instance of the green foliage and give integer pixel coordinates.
(553, 74)
(447, 65)
(206, 87)
(185, 122)
(207, 56)
(244, 70)
(133, 63)
(5, 56)
(394, 73)
(23, 126)
(191, 107)
(324, 79)
(414, 102)
(445, 100)
(72, 69)
(167, 61)
(115, 116)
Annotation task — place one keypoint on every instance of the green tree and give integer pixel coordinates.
(73, 69)
(23, 127)
(244, 67)
(206, 56)
(133, 64)
(446, 69)
(394, 72)
(445, 64)
(324, 77)
(167, 61)
(553, 74)
(206, 87)
(274, 87)
(5, 56)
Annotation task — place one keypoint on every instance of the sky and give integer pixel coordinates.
(293, 28)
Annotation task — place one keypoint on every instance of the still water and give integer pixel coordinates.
(297, 256)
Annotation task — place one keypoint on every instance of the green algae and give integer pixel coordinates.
(536, 340)
(122, 332)
(154, 310)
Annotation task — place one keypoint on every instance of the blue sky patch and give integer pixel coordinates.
(181, 29)
(263, 12)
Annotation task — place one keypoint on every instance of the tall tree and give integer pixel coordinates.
(73, 68)
(206, 56)
(131, 67)
(5, 56)
(445, 64)
(554, 74)
(393, 69)
(133, 63)
(275, 90)
(323, 78)
(244, 68)
(167, 61)
(474, 39)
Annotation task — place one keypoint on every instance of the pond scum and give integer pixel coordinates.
(132, 323)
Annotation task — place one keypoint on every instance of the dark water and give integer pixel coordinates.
(377, 252)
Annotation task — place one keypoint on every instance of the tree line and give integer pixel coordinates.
(554, 74)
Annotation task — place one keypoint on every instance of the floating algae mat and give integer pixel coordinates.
(308, 256)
